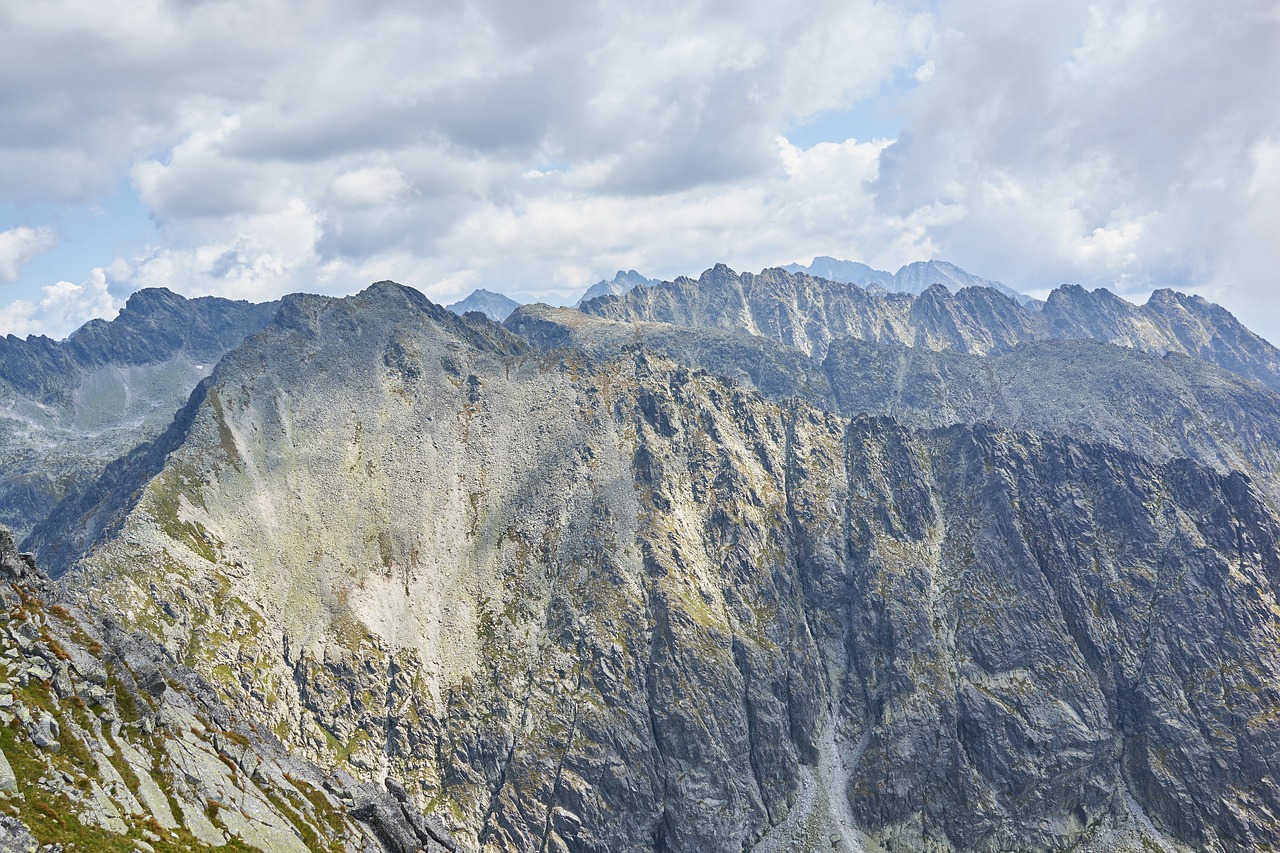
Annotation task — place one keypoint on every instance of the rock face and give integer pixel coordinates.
(108, 744)
(67, 408)
(495, 306)
(618, 603)
(807, 314)
(1160, 407)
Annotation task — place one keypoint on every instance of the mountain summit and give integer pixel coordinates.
(495, 306)
(624, 281)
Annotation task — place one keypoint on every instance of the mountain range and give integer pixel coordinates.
(808, 313)
(745, 562)
(913, 278)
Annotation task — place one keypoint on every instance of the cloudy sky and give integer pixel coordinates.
(251, 148)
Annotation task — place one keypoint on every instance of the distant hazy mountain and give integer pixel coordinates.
(68, 407)
(850, 272)
(913, 278)
(623, 282)
(495, 306)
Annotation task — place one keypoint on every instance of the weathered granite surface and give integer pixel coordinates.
(587, 603)
(108, 744)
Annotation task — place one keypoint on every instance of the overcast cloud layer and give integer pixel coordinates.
(535, 148)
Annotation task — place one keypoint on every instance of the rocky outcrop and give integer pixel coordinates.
(808, 313)
(623, 604)
(67, 408)
(106, 743)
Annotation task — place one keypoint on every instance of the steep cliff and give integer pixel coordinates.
(622, 604)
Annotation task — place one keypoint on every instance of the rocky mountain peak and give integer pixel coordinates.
(753, 562)
(390, 291)
(622, 282)
(936, 292)
(153, 298)
(495, 306)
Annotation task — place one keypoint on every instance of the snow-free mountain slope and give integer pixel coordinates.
(617, 603)
(107, 744)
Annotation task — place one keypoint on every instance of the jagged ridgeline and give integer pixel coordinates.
(590, 597)
(809, 313)
(67, 408)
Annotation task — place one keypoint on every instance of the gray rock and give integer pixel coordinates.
(44, 731)
(15, 837)
(384, 815)
(619, 603)
(8, 781)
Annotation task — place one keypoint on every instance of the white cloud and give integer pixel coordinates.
(282, 145)
(550, 237)
(19, 245)
(1247, 282)
(370, 186)
(280, 151)
(261, 257)
(62, 308)
(1110, 143)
